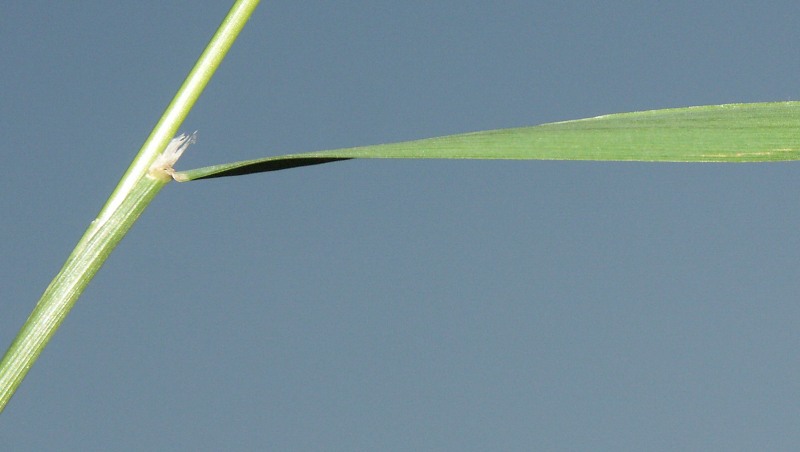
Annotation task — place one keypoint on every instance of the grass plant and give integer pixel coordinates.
(723, 133)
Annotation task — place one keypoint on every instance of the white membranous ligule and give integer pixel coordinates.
(162, 166)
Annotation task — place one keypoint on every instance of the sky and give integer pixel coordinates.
(401, 305)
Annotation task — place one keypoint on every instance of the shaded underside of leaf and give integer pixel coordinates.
(758, 132)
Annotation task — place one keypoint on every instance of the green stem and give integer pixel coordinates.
(137, 188)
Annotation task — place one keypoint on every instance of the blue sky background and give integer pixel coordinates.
(401, 305)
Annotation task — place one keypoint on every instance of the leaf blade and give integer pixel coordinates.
(756, 132)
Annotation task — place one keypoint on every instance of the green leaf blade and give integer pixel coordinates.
(758, 132)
